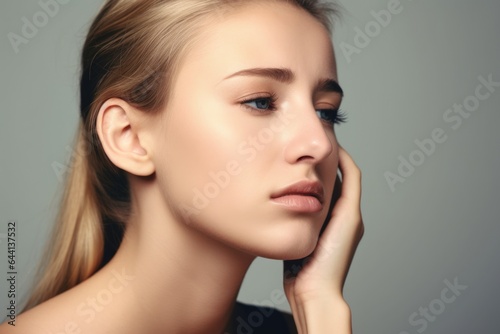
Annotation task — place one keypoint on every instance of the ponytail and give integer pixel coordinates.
(78, 241)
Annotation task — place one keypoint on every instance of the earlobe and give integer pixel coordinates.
(120, 138)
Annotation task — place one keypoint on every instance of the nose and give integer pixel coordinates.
(307, 138)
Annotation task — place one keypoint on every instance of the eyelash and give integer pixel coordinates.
(334, 116)
(270, 98)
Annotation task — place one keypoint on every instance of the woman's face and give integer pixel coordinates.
(249, 116)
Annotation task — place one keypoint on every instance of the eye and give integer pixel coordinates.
(259, 103)
(263, 103)
(333, 116)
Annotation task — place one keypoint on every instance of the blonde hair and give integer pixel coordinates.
(131, 52)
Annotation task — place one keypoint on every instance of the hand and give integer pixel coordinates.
(319, 282)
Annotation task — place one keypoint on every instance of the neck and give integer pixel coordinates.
(183, 281)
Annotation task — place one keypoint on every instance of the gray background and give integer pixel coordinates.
(440, 224)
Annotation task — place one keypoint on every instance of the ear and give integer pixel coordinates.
(120, 137)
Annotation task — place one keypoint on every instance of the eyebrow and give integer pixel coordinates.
(330, 85)
(286, 75)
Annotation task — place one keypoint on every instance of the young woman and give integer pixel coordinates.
(206, 140)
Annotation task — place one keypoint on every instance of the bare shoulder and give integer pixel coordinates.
(94, 306)
(50, 317)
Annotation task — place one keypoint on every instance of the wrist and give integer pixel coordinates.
(328, 313)
(324, 293)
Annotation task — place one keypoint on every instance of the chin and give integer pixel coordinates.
(292, 245)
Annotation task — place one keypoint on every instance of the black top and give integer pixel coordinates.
(250, 319)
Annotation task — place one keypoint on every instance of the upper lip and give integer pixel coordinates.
(304, 188)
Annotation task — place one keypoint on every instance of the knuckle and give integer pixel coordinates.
(355, 171)
(361, 230)
(358, 172)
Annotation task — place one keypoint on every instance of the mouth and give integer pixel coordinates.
(303, 196)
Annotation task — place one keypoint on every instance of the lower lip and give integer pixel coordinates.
(299, 203)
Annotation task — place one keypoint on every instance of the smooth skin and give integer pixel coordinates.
(183, 258)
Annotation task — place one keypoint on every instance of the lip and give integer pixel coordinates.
(303, 196)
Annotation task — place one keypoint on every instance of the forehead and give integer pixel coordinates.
(265, 34)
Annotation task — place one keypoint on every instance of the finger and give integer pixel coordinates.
(345, 225)
(351, 177)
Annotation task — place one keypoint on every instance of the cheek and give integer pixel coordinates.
(200, 165)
